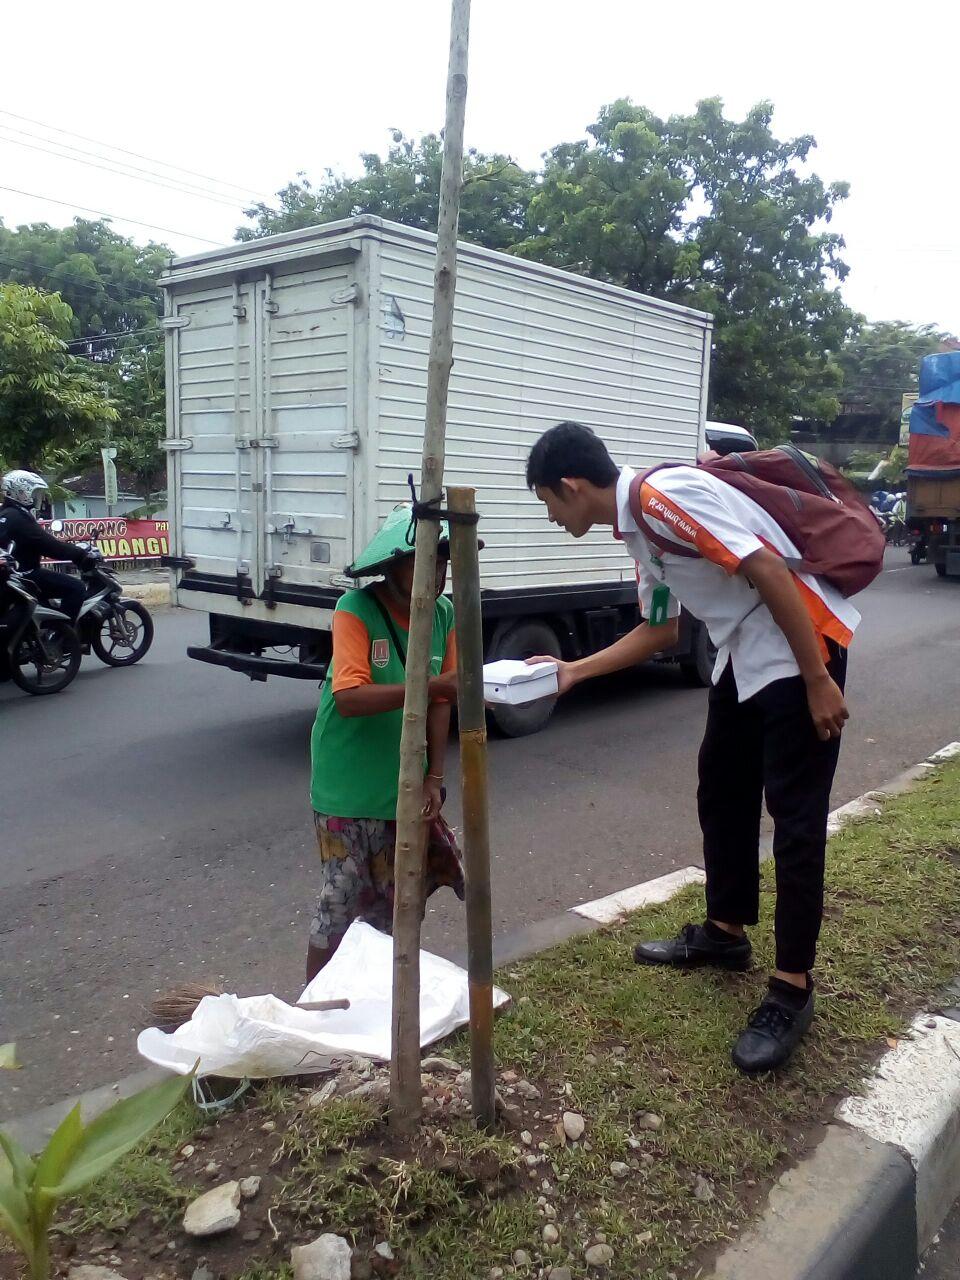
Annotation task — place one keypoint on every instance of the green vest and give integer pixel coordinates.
(356, 759)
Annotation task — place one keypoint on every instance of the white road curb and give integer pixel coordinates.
(913, 1102)
(615, 905)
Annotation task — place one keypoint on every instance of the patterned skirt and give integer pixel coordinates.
(356, 860)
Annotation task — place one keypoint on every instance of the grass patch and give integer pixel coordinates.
(332, 1127)
(617, 1043)
(264, 1271)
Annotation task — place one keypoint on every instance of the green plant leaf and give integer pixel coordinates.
(116, 1131)
(8, 1057)
(51, 1165)
(21, 1167)
(55, 1157)
(15, 1215)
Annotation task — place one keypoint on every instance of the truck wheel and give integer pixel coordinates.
(697, 668)
(941, 568)
(524, 640)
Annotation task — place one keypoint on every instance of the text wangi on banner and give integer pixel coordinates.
(116, 537)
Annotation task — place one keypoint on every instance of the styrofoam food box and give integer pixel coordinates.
(513, 682)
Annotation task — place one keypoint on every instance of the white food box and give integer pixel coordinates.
(513, 682)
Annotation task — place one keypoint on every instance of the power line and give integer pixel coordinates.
(68, 204)
(128, 295)
(120, 333)
(236, 192)
(136, 155)
(134, 177)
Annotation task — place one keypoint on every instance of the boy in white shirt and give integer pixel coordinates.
(776, 709)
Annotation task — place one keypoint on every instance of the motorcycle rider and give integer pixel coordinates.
(22, 493)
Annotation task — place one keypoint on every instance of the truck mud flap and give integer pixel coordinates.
(257, 668)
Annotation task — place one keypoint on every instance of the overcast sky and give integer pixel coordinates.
(250, 93)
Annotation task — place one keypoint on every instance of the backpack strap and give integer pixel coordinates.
(643, 524)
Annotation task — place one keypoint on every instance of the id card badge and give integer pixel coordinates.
(659, 604)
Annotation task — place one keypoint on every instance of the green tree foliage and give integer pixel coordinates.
(405, 187)
(713, 213)
(110, 285)
(137, 387)
(109, 282)
(48, 397)
(881, 362)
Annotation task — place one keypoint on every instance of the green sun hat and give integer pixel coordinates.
(390, 543)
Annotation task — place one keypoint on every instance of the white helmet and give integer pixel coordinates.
(24, 487)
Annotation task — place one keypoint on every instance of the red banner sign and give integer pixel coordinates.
(117, 537)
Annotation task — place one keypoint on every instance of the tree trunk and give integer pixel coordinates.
(405, 1094)
(473, 781)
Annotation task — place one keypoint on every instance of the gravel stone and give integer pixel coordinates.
(573, 1125)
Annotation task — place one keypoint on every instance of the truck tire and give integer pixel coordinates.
(941, 568)
(524, 640)
(697, 668)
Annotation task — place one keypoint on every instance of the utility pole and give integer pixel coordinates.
(405, 1090)
(110, 491)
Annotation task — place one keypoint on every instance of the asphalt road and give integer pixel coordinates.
(154, 822)
(942, 1259)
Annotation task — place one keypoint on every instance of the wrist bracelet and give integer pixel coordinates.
(437, 777)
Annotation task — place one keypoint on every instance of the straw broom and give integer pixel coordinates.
(171, 1009)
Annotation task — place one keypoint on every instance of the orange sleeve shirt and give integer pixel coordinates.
(351, 653)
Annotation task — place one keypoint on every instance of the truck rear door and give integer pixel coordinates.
(308, 443)
(263, 440)
(217, 472)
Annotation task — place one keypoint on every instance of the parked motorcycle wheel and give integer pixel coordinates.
(124, 636)
(47, 659)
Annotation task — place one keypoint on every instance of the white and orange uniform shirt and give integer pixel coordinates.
(688, 506)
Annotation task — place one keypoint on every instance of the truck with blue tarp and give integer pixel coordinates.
(933, 464)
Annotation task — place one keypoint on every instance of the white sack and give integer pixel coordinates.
(260, 1036)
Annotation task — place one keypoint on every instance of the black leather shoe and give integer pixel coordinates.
(772, 1034)
(693, 946)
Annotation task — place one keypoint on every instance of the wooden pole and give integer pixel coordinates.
(473, 780)
(405, 1092)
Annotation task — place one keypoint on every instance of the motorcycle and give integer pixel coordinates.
(39, 649)
(119, 631)
(891, 511)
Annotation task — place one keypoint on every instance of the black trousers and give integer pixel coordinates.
(767, 745)
(67, 591)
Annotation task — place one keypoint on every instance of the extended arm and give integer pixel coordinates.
(636, 646)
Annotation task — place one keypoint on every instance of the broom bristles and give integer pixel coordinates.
(171, 1009)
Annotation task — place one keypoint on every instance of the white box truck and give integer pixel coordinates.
(296, 373)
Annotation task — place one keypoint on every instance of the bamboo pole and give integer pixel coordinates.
(473, 780)
(405, 1093)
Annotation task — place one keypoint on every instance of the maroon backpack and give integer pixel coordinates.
(838, 536)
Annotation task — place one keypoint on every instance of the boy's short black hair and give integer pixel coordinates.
(570, 449)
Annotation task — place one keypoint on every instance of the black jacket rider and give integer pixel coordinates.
(31, 543)
(19, 526)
